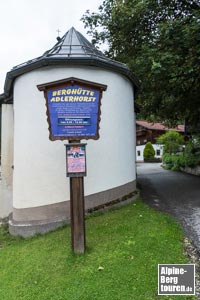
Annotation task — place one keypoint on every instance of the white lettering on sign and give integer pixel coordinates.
(176, 279)
(172, 271)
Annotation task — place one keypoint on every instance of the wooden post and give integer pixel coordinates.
(77, 214)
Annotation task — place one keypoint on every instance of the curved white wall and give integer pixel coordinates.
(39, 164)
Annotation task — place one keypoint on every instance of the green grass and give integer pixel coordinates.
(128, 243)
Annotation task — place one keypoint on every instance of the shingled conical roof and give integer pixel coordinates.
(72, 49)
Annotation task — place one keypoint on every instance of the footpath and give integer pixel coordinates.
(176, 193)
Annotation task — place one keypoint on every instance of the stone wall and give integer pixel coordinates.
(193, 171)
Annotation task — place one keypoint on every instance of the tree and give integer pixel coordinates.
(159, 40)
(172, 142)
(149, 151)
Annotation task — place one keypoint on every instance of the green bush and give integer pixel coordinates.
(149, 151)
(190, 157)
(172, 142)
(181, 161)
(152, 159)
(191, 161)
(175, 162)
(171, 162)
(167, 159)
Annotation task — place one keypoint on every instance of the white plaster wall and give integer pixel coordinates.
(39, 164)
(6, 161)
(140, 148)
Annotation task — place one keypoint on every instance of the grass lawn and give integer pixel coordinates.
(127, 243)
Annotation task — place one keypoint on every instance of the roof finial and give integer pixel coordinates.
(58, 37)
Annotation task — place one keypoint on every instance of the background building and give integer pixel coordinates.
(149, 132)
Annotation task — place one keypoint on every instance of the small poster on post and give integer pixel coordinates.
(76, 160)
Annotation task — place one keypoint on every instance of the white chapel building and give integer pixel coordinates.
(34, 189)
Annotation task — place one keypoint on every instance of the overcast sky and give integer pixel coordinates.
(29, 27)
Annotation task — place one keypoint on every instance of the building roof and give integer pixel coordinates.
(72, 49)
(159, 126)
(74, 44)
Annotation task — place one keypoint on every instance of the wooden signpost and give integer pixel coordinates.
(77, 208)
(76, 169)
(73, 113)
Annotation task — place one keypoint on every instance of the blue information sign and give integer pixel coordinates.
(73, 108)
(73, 111)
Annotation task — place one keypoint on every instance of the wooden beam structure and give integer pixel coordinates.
(77, 207)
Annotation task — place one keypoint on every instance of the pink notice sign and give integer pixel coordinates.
(76, 160)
